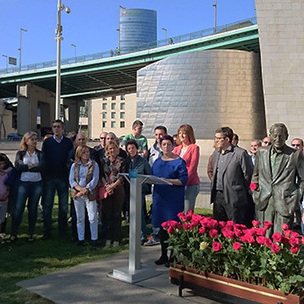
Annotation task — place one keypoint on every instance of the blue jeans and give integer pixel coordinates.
(61, 185)
(191, 193)
(30, 191)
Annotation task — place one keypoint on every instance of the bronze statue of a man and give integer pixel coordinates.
(279, 178)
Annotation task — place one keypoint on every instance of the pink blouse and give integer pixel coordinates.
(191, 157)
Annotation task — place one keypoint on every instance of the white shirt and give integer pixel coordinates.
(30, 176)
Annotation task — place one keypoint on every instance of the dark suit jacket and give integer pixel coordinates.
(236, 177)
(286, 187)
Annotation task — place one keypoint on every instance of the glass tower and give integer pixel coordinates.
(137, 29)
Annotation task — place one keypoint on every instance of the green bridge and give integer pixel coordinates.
(107, 73)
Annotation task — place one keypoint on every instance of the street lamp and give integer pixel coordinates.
(58, 38)
(165, 30)
(74, 46)
(6, 61)
(215, 13)
(120, 7)
(21, 30)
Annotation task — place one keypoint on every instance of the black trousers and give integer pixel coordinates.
(225, 212)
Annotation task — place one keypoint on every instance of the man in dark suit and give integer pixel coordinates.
(232, 171)
(279, 180)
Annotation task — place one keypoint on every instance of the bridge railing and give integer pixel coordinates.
(141, 47)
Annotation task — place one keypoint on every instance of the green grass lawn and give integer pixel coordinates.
(23, 260)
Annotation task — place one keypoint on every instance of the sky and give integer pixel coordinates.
(92, 24)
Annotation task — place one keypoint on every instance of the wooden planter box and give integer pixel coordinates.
(188, 278)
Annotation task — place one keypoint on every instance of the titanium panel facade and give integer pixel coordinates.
(137, 26)
(207, 89)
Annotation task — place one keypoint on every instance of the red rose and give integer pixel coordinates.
(294, 249)
(182, 216)
(189, 215)
(212, 224)
(261, 231)
(216, 246)
(213, 233)
(302, 240)
(260, 240)
(277, 237)
(256, 223)
(202, 230)
(268, 242)
(294, 241)
(253, 186)
(165, 224)
(171, 230)
(237, 246)
(222, 224)
(275, 248)
(285, 226)
(268, 225)
(186, 226)
(238, 233)
(295, 234)
(287, 233)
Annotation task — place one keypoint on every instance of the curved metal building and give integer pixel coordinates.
(137, 27)
(207, 89)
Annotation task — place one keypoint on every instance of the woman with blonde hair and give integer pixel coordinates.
(84, 178)
(29, 188)
(190, 153)
(112, 205)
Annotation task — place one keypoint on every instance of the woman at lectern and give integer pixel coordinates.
(168, 200)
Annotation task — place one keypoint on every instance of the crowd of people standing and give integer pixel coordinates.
(265, 184)
(90, 179)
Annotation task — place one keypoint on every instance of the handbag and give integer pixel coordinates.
(102, 193)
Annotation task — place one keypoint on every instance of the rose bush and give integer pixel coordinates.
(238, 252)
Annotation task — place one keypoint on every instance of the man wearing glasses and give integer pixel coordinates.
(297, 143)
(266, 141)
(102, 138)
(232, 170)
(55, 159)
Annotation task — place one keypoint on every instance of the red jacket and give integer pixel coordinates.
(191, 157)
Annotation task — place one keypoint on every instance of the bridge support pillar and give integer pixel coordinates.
(36, 110)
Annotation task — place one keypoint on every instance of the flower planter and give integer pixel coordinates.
(188, 278)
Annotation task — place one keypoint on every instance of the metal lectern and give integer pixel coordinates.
(136, 271)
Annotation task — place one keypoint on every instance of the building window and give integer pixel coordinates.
(113, 106)
(104, 124)
(113, 124)
(122, 124)
(113, 115)
(122, 106)
(104, 106)
(122, 115)
(122, 97)
(113, 97)
(104, 98)
(104, 115)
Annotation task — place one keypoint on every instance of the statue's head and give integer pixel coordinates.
(279, 134)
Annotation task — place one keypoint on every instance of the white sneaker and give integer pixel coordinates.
(152, 242)
(115, 244)
(108, 243)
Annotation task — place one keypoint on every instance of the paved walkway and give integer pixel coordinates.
(89, 284)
